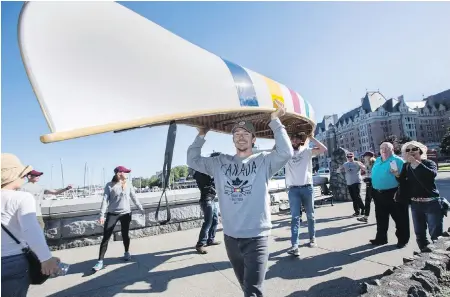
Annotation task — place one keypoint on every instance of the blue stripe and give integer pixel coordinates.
(307, 108)
(244, 85)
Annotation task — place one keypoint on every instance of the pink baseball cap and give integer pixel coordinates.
(122, 169)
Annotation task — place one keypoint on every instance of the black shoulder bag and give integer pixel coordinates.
(35, 268)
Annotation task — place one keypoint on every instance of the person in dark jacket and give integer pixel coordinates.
(369, 160)
(209, 206)
(418, 186)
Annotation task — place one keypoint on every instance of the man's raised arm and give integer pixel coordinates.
(282, 151)
(194, 158)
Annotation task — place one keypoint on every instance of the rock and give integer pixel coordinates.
(388, 272)
(395, 283)
(81, 226)
(367, 288)
(274, 209)
(137, 220)
(179, 213)
(338, 185)
(191, 224)
(423, 275)
(428, 281)
(435, 266)
(417, 292)
(53, 229)
(75, 243)
(377, 282)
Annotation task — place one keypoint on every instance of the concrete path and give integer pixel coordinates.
(167, 265)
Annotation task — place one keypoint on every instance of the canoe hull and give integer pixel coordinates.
(97, 67)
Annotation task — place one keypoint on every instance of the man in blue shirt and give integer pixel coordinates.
(385, 186)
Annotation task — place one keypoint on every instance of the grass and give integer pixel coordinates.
(444, 167)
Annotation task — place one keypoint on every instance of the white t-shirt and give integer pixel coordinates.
(38, 192)
(19, 217)
(299, 168)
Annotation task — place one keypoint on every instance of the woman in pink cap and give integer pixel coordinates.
(116, 205)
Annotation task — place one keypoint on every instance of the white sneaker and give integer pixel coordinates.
(312, 243)
(294, 252)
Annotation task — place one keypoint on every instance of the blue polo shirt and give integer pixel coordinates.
(382, 178)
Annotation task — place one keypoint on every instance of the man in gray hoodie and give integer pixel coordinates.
(242, 187)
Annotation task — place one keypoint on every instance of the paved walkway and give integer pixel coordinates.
(168, 266)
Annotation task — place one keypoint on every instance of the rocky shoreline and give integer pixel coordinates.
(423, 275)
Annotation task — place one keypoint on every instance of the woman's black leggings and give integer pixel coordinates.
(110, 222)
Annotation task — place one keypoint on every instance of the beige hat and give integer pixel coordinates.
(421, 146)
(13, 169)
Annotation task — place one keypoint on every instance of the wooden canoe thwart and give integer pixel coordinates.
(99, 67)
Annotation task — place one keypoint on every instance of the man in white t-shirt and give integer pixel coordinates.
(38, 192)
(299, 181)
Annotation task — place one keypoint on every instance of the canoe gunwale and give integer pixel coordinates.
(258, 115)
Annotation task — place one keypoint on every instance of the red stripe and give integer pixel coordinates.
(295, 101)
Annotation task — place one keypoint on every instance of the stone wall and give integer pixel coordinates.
(338, 185)
(71, 230)
(425, 274)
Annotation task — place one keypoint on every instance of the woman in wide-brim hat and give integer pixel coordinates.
(369, 160)
(418, 186)
(19, 218)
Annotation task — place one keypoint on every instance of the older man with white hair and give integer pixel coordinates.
(418, 186)
(385, 187)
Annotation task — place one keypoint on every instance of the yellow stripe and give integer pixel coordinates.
(275, 91)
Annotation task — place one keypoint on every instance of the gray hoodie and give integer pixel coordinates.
(242, 183)
(117, 200)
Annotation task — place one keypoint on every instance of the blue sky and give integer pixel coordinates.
(329, 52)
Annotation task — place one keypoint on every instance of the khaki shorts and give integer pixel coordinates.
(41, 222)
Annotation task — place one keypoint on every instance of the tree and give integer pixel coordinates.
(445, 144)
(395, 142)
(175, 174)
(404, 139)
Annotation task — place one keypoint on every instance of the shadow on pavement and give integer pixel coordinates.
(289, 267)
(138, 270)
(340, 287)
(325, 232)
(286, 221)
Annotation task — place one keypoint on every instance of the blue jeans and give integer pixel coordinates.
(15, 280)
(299, 196)
(211, 219)
(423, 214)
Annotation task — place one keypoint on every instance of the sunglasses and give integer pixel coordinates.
(414, 149)
(348, 157)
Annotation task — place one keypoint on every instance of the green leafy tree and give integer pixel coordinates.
(154, 181)
(395, 142)
(445, 143)
(404, 139)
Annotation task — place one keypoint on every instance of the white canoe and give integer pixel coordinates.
(97, 67)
